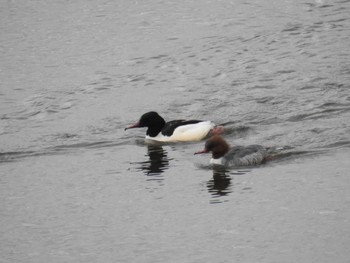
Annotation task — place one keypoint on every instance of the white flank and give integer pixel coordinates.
(216, 161)
(185, 133)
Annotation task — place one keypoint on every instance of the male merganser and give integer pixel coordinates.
(175, 131)
(222, 154)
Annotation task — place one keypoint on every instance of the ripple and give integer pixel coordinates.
(12, 156)
(293, 27)
(336, 145)
(16, 155)
(236, 131)
(285, 71)
(318, 114)
(293, 154)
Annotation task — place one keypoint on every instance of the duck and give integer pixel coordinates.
(223, 154)
(175, 130)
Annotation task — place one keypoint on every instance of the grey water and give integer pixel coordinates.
(76, 187)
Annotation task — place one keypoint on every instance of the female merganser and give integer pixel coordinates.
(222, 154)
(175, 131)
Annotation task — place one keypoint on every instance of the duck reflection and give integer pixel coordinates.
(157, 161)
(220, 184)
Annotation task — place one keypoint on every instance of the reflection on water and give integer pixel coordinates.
(157, 162)
(220, 184)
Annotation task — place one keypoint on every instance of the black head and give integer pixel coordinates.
(152, 120)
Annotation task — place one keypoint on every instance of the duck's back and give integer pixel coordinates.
(247, 155)
(170, 126)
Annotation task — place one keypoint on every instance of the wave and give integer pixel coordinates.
(12, 156)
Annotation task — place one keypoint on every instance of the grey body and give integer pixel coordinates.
(243, 156)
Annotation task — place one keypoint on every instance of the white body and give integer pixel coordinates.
(184, 133)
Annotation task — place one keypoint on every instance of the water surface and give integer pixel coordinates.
(76, 187)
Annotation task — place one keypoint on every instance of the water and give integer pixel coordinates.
(75, 187)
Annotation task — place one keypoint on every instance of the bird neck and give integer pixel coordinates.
(155, 127)
(153, 131)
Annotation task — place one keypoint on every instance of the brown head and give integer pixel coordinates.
(217, 146)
